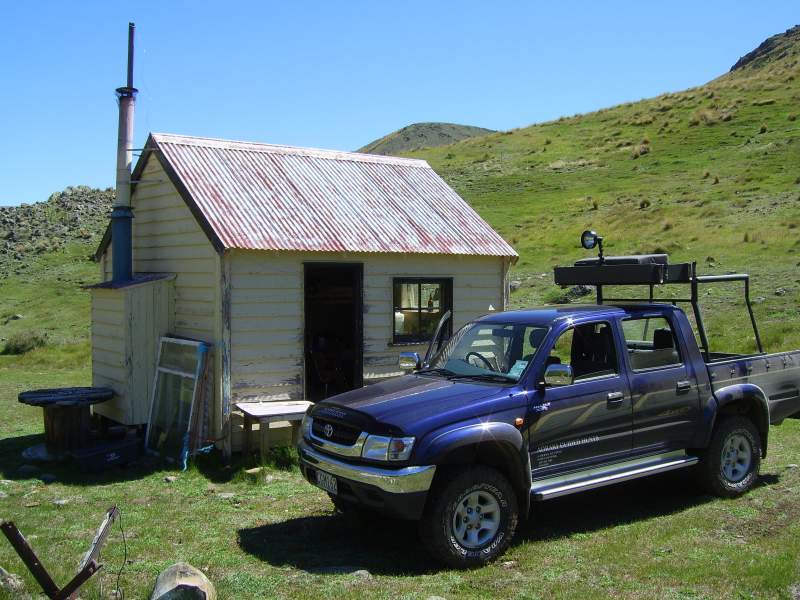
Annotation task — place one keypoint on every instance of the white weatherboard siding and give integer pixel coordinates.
(109, 365)
(267, 319)
(168, 239)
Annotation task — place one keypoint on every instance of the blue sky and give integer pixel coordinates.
(336, 74)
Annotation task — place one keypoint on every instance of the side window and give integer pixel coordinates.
(588, 349)
(651, 343)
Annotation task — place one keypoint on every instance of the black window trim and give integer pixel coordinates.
(447, 290)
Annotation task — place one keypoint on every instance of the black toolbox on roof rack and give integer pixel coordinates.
(644, 269)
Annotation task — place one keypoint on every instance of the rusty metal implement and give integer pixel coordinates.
(88, 566)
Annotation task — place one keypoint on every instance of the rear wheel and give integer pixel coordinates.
(470, 518)
(730, 465)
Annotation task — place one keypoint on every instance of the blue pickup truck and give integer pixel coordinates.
(528, 405)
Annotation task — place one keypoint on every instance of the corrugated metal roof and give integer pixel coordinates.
(267, 197)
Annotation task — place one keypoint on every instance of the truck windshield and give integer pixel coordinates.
(488, 351)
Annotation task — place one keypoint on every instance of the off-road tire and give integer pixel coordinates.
(711, 472)
(450, 488)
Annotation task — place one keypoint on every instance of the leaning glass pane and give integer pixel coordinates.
(178, 357)
(170, 414)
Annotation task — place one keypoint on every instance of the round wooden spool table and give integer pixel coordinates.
(66, 418)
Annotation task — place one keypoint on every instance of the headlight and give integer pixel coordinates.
(305, 426)
(379, 447)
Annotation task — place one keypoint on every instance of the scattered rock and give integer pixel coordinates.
(61, 502)
(3, 494)
(794, 591)
(31, 504)
(342, 570)
(225, 495)
(791, 466)
(6, 482)
(780, 291)
(508, 564)
(254, 470)
(758, 299)
(515, 285)
(435, 598)
(48, 478)
(170, 479)
(10, 582)
(182, 581)
(28, 470)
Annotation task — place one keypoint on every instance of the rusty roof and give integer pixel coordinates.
(267, 197)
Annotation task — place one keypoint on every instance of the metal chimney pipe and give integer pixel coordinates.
(121, 215)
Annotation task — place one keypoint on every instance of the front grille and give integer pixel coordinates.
(340, 434)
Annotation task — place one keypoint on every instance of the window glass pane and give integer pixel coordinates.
(406, 295)
(431, 295)
(170, 418)
(178, 357)
(406, 322)
(650, 342)
(589, 349)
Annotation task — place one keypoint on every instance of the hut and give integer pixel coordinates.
(307, 270)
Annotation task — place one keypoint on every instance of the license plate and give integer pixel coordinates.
(327, 482)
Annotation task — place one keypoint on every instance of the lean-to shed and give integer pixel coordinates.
(308, 270)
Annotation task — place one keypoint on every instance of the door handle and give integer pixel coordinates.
(683, 386)
(615, 398)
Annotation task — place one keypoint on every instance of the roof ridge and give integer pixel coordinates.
(190, 140)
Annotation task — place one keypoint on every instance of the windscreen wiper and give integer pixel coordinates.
(436, 371)
(486, 377)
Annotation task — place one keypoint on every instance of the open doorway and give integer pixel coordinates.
(333, 328)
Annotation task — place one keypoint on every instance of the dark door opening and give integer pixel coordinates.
(333, 329)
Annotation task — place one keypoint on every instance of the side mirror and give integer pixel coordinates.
(557, 375)
(410, 361)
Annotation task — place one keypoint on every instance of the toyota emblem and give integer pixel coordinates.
(328, 430)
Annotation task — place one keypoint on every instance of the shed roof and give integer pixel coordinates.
(267, 197)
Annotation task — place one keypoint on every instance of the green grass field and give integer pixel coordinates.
(273, 535)
(716, 179)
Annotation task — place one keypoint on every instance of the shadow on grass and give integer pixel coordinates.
(337, 543)
(384, 547)
(67, 471)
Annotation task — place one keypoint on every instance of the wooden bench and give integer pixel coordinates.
(265, 413)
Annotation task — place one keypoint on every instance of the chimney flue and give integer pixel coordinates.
(121, 215)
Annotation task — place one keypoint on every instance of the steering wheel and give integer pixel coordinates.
(481, 357)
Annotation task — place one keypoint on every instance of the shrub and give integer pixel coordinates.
(716, 179)
(763, 129)
(643, 204)
(24, 341)
(792, 117)
(706, 174)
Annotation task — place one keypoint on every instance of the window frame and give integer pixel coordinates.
(681, 362)
(617, 368)
(445, 304)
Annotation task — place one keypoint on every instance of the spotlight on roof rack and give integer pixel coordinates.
(590, 240)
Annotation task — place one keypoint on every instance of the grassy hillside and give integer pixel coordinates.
(709, 174)
(422, 135)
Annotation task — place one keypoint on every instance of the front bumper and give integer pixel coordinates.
(395, 492)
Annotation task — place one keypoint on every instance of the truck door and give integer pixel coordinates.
(589, 419)
(666, 398)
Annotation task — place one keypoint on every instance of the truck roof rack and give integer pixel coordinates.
(650, 270)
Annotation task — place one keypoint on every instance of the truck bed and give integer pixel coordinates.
(777, 374)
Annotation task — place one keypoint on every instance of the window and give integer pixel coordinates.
(479, 350)
(651, 343)
(588, 349)
(418, 306)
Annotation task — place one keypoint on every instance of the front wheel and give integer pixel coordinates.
(730, 465)
(470, 518)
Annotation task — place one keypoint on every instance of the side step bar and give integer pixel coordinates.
(580, 481)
